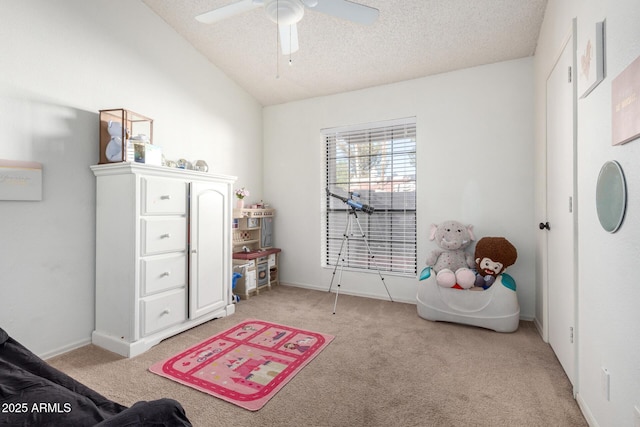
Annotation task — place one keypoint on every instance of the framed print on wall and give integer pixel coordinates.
(20, 180)
(625, 105)
(590, 58)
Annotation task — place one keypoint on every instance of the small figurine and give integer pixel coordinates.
(113, 152)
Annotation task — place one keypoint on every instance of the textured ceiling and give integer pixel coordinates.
(411, 39)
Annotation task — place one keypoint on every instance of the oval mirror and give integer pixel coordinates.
(611, 196)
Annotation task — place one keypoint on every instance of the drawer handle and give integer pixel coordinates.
(165, 197)
(166, 274)
(165, 236)
(165, 311)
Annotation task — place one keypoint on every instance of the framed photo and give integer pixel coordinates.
(625, 105)
(590, 58)
(20, 180)
(253, 222)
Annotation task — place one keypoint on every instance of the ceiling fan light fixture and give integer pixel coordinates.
(284, 12)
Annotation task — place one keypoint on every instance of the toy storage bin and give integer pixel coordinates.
(247, 280)
(495, 308)
(234, 280)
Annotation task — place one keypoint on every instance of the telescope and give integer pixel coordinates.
(352, 203)
(355, 206)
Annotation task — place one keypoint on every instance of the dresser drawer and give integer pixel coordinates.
(163, 235)
(163, 196)
(164, 310)
(163, 272)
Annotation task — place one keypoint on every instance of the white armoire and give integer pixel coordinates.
(163, 253)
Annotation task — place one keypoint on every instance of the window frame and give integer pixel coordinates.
(384, 258)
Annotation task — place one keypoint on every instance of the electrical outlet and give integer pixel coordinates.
(636, 416)
(605, 380)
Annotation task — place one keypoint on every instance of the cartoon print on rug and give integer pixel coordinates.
(247, 364)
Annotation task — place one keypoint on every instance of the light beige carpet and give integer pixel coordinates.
(385, 367)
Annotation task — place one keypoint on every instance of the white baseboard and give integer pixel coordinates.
(540, 329)
(586, 411)
(367, 295)
(64, 349)
(347, 292)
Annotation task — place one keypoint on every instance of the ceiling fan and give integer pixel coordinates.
(287, 13)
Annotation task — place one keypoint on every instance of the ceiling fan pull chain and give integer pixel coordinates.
(290, 44)
(277, 40)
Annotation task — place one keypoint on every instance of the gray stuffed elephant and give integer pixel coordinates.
(451, 263)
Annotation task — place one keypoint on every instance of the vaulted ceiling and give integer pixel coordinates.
(410, 39)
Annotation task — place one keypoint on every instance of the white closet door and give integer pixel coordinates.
(209, 273)
(561, 295)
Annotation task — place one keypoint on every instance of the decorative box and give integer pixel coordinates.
(117, 128)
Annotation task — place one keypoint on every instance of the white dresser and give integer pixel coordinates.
(163, 253)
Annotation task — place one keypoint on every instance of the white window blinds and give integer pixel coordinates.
(378, 163)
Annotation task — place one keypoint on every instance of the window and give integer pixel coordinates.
(373, 165)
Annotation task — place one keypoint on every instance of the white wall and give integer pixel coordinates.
(61, 62)
(608, 327)
(475, 151)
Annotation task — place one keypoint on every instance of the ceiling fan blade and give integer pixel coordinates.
(348, 10)
(288, 38)
(228, 11)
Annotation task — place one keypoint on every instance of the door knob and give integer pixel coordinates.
(544, 225)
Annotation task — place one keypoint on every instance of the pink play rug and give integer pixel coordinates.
(247, 364)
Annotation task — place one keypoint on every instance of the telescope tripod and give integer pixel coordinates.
(348, 232)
